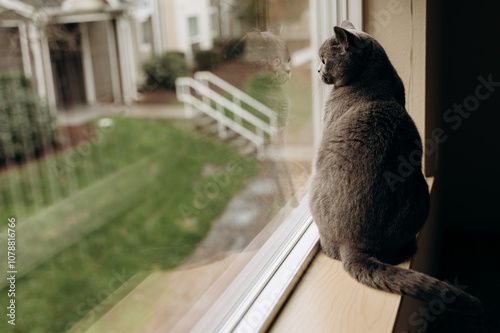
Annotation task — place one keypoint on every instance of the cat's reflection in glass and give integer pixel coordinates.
(268, 53)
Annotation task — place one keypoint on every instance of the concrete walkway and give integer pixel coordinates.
(244, 217)
(84, 114)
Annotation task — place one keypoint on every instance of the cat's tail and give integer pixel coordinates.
(376, 274)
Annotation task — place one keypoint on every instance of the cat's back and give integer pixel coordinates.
(366, 130)
(357, 151)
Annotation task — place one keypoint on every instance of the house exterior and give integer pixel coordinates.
(83, 52)
(187, 25)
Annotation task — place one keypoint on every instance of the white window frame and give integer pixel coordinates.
(253, 299)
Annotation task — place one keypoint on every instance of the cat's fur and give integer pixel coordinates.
(367, 224)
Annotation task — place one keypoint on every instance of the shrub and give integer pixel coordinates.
(207, 59)
(165, 69)
(231, 49)
(27, 127)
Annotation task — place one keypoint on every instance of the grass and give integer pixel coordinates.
(91, 218)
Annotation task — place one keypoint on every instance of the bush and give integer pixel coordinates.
(206, 60)
(165, 69)
(27, 127)
(231, 49)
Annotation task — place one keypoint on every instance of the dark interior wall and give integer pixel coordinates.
(468, 161)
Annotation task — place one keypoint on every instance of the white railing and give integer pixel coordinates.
(196, 93)
(238, 96)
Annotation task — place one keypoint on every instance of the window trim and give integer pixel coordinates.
(277, 290)
(287, 252)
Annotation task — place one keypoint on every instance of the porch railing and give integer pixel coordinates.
(229, 106)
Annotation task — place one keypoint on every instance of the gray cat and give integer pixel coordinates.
(365, 218)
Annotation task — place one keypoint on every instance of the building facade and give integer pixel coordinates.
(83, 52)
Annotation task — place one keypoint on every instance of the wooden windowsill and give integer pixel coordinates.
(328, 300)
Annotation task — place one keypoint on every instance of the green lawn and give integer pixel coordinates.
(131, 200)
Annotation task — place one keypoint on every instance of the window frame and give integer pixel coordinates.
(253, 299)
(294, 242)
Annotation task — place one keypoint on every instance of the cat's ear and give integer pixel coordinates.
(347, 25)
(276, 29)
(348, 40)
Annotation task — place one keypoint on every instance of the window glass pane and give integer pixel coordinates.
(193, 26)
(146, 32)
(214, 24)
(143, 179)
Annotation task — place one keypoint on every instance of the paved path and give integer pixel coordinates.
(84, 114)
(244, 217)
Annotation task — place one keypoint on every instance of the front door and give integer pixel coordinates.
(66, 59)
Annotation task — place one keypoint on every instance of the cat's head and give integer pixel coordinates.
(344, 55)
(269, 52)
